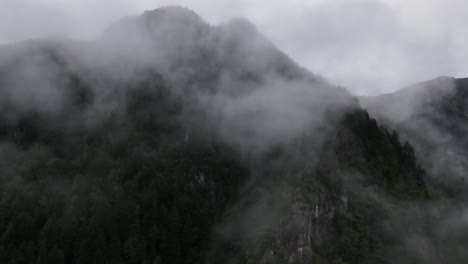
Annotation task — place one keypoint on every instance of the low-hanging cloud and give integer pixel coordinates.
(368, 46)
(277, 110)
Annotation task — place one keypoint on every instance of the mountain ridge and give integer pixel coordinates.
(179, 147)
(434, 117)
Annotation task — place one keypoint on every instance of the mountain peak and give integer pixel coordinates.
(174, 13)
(167, 26)
(240, 26)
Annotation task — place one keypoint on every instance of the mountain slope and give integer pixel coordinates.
(169, 140)
(433, 116)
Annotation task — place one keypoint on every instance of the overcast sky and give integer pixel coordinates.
(367, 46)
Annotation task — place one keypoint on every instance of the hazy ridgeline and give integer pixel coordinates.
(432, 115)
(169, 140)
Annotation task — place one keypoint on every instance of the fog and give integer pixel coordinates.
(252, 95)
(367, 46)
(228, 79)
(432, 116)
(255, 94)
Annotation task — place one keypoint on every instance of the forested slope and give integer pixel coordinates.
(204, 144)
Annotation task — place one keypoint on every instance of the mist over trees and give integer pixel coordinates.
(432, 115)
(169, 140)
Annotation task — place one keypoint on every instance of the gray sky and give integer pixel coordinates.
(368, 46)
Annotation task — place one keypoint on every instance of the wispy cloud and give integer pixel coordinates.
(367, 46)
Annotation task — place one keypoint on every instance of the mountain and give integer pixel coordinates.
(169, 140)
(434, 116)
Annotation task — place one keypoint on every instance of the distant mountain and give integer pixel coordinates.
(434, 116)
(169, 140)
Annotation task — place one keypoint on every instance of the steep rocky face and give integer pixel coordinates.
(169, 140)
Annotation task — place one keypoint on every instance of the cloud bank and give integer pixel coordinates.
(370, 47)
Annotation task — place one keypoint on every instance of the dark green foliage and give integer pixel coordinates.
(339, 205)
(376, 170)
(130, 190)
(377, 154)
(133, 190)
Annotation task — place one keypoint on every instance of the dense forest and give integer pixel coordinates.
(140, 192)
(156, 168)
